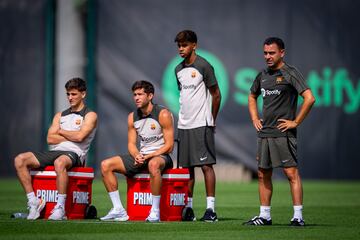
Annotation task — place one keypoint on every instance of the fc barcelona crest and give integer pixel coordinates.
(279, 79)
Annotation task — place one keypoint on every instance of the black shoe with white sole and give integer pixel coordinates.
(188, 214)
(258, 221)
(295, 222)
(209, 216)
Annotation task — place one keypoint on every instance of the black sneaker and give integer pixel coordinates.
(297, 222)
(209, 216)
(188, 214)
(258, 221)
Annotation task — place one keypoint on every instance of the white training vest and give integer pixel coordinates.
(72, 121)
(149, 130)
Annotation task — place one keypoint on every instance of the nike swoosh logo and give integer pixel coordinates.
(202, 159)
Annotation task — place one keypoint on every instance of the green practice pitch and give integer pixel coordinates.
(331, 211)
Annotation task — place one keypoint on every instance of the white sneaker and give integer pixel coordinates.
(58, 213)
(115, 214)
(154, 216)
(35, 208)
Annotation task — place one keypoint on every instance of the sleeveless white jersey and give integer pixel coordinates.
(195, 100)
(72, 121)
(149, 130)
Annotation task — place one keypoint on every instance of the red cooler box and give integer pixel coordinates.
(78, 193)
(174, 192)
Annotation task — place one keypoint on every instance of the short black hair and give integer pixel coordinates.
(186, 36)
(278, 41)
(147, 86)
(76, 83)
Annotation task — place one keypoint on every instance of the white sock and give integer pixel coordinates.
(61, 200)
(31, 197)
(155, 203)
(115, 199)
(189, 202)
(265, 212)
(210, 203)
(298, 212)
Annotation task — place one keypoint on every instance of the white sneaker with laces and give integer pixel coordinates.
(154, 216)
(115, 214)
(58, 213)
(35, 208)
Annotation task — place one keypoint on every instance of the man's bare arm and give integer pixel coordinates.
(216, 100)
(253, 110)
(90, 122)
(167, 124)
(53, 136)
(309, 100)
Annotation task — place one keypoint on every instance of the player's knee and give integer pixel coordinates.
(260, 176)
(105, 166)
(264, 175)
(292, 174)
(292, 177)
(19, 161)
(207, 169)
(154, 168)
(59, 165)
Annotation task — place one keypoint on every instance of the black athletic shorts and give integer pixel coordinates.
(276, 152)
(196, 147)
(47, 158)
(131, 169)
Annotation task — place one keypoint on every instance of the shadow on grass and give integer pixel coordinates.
(299, 227)
(229, 219)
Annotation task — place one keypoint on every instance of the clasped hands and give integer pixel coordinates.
(140, 159)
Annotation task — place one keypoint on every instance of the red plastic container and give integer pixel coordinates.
(174, 192)
(78, 194)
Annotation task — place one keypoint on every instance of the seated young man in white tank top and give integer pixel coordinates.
(69, 138)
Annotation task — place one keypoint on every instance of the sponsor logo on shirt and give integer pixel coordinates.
(149, 139)
(266, 93)
(186, 87)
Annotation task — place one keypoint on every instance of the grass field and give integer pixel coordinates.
(332, 211)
